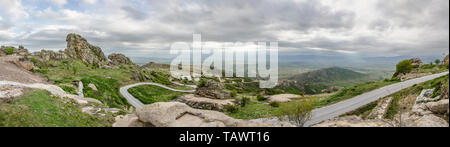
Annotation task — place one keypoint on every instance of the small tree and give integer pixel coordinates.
(404, 66)
(244, 101)
(437, 61)
(298, 112)
(10, 51)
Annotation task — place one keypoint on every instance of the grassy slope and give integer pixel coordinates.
(149, 94)
(107, 81)
(353, 91)
(38, 109)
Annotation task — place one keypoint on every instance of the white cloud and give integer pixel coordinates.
(58, 2)
(90, 1)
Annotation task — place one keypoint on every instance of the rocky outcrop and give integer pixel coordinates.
(211, 89)
(416, 62)
(445, 61)
(25, 63)
(379, 112)
(282, 98)
(47, 55)
(118, 59)
(21, 51)
(175, 114)
(205, 103)
(79, 48)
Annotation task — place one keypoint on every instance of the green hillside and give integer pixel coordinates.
(315, 81)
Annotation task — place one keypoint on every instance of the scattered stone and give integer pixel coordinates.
(205, 103)
(331, 90)
(91, 110)
(425, 95)
(282, 98)
(379, 112)
(112, 110)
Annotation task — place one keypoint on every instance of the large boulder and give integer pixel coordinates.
(79, 48)
(282, 98)
(175, 114)
(117, 59)
(439, 107)
(129, 120)
(430, 121)
(205, 103)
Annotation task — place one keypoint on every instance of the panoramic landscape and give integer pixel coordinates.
(95, 63)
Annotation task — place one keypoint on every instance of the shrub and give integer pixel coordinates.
(10, 51)
(261, 97)
(437, 61)
(231, 108)
(233, 93)
(274, 104)
(244, 101)
(202, 83)
(404, 66)
(298, 112)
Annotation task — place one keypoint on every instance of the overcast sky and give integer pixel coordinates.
(149, 27)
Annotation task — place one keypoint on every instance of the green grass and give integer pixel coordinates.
(149, 94)
(353, 91)
(254, 110)
(39, 109)
(107, 81)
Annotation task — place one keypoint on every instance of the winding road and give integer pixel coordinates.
(331, 111)
(136, 103)
(319, 114)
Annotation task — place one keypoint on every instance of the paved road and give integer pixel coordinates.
(136, 103)
(331, 111)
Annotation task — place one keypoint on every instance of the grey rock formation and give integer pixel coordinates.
(79, 48)
(47, 55)
(211, 89)
(205, 103)
(117, 59)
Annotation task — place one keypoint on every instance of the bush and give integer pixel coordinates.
(261, 97)
(202, 83)
(244, 101)
(404, 66)
(298, 112)
(10, 51)
(233, 93)
(231, 108)
(274, 104)
(437, 61)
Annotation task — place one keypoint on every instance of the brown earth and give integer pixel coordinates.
(11, 72)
